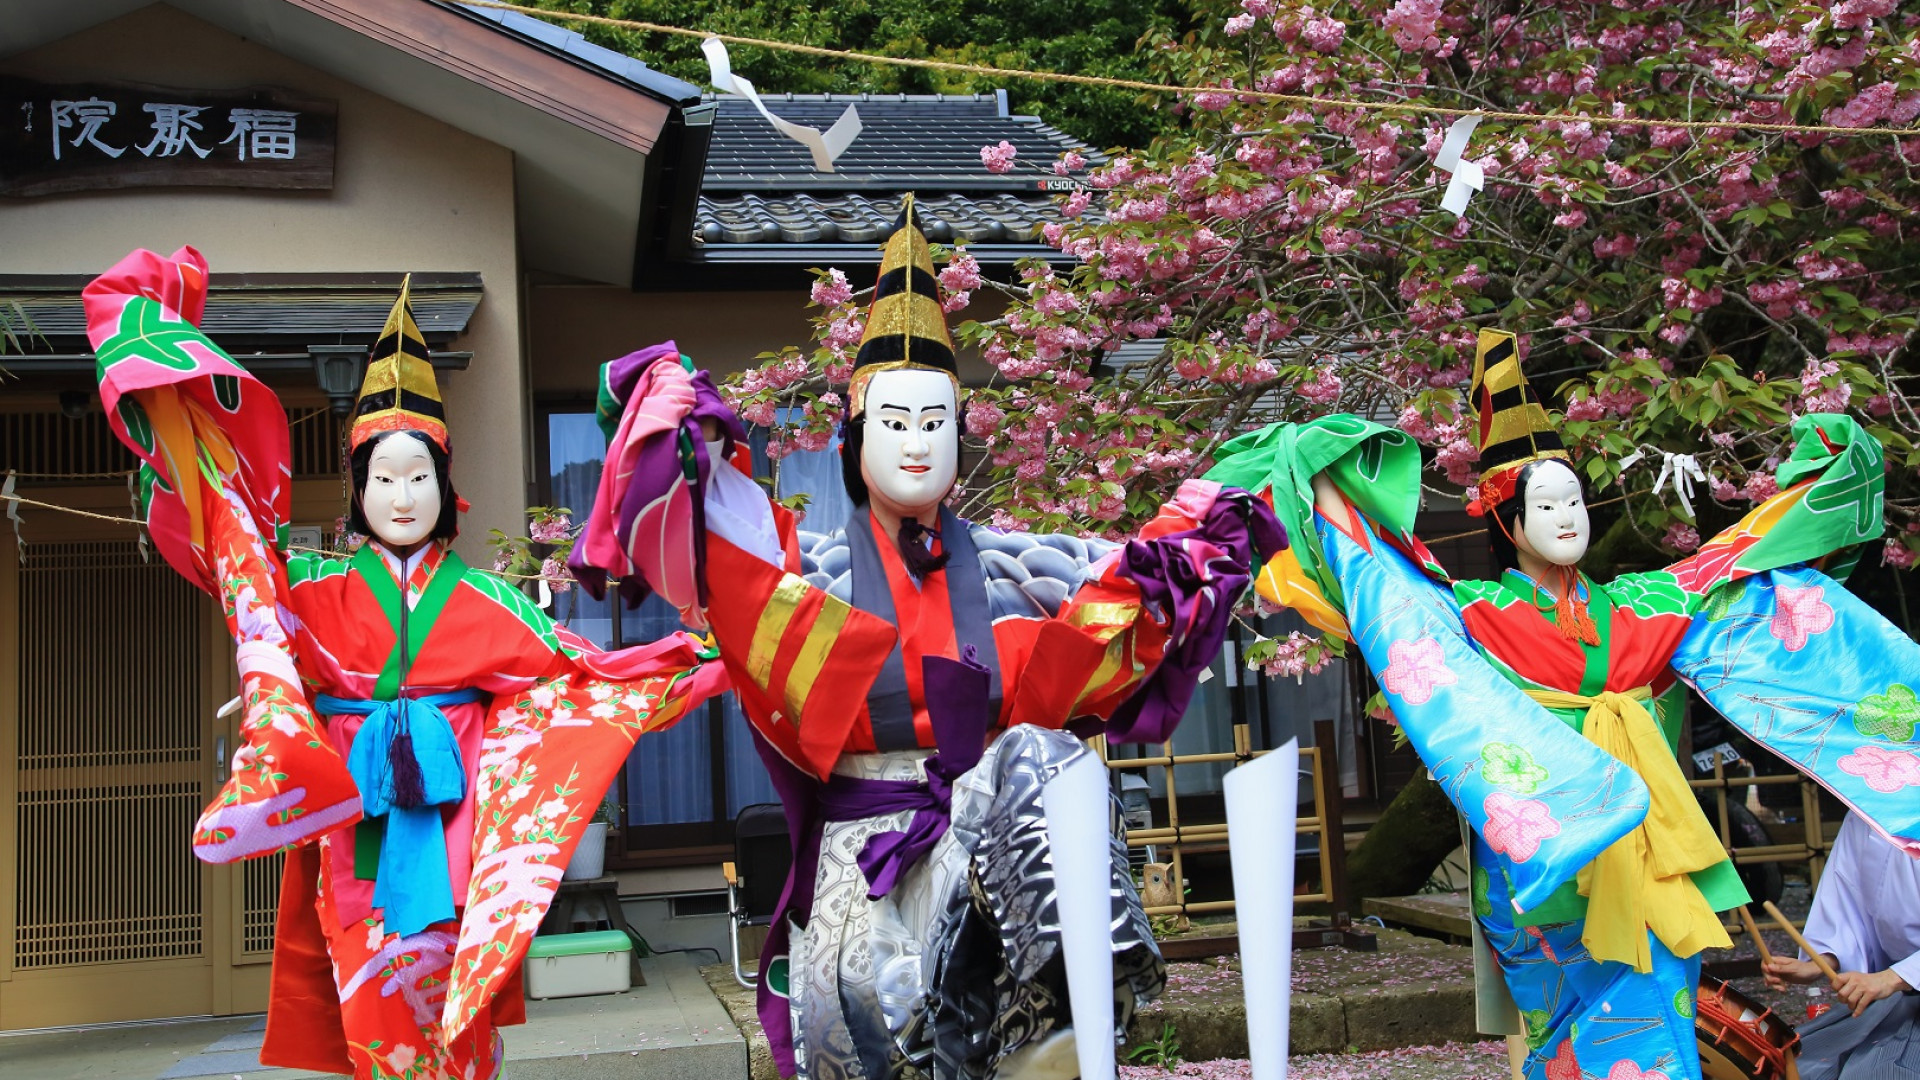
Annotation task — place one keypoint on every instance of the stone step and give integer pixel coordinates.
(1442, 913)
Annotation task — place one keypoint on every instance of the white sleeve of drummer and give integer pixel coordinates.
(1840, 923)
(738, 511)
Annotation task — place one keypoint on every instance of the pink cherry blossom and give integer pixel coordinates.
(833, 290)
(1761, 487)
(1897, 555)
(1516, 827)
(1682, 537)
(999, 159)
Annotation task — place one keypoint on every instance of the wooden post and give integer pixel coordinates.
(1333, 835)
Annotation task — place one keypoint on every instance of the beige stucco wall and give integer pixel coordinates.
(572, 330)
(410, 194)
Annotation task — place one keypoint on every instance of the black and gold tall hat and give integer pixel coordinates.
(399, 392)
(1514, 428)
(905, 327)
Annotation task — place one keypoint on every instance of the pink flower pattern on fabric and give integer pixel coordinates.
(1801, 614)
(1515, 827)
(1628, 1070)
(1885, 771)
(1563, 1065)
(1415, 669)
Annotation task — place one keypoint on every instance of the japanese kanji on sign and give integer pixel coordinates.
(76, 137)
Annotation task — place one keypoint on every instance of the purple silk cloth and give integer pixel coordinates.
(1199, 598)
(957, 694)
(663, 461)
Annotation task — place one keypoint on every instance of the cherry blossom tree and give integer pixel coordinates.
(1681, 284)
(1684, 289)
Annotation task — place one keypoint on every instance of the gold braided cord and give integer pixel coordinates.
(1170, 88)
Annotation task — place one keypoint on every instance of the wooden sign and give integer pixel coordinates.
(87, 136)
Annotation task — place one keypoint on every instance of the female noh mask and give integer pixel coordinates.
(420, 740)
(403, 495)
(908, 677)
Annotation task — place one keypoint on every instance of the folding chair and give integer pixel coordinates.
(761, 854)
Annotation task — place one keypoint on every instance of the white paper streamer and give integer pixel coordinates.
(826, 148)
(13, 515)
(1467, 176)
(1683, 469)
(1262, 802)
(1079, 818)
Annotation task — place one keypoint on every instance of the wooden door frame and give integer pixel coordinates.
(219, 908)
(9, 746)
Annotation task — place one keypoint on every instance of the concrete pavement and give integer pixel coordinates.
(673, 1028)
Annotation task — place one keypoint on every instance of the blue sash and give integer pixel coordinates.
(412, 884)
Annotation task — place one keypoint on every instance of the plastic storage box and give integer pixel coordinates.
(576, 965)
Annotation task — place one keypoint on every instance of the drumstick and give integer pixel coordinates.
(1819, 961)
(1746, 920)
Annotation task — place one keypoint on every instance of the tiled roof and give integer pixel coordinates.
(761, 199)
(867, 219)
(907, 141)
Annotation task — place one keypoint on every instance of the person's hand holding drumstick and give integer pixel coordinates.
(1856, 989)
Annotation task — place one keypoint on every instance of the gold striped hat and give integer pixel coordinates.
(1515, 430)
(906, 329)
(399, 392)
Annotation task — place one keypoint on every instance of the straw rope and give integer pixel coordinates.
(1171, 88)
(77, 512)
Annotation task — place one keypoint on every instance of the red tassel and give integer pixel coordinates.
(1571, 612)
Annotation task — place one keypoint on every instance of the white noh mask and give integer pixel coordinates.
(1555, 525)
(911, 454)
(402, 499)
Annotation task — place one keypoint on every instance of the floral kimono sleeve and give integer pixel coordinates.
(1792, 658)
(214, 488)
(1830, 501)
(564, 718)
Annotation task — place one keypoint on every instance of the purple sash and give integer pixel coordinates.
(957, 706)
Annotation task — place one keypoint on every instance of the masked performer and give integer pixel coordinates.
(1866, 921)
(422, 741)
(907, 678)
(1546, 703)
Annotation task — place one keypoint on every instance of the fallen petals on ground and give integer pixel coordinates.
(1452, 1061)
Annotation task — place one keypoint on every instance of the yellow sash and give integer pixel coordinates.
(1641, 883)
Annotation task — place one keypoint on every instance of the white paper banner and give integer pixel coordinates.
(826, 148)
(1467, 176)
(13, 515)
(1683, 469)
(1079, 821)
(1262, 802)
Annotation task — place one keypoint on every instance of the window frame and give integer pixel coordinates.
(698, 843)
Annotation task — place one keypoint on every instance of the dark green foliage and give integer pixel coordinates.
(1082, 37)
